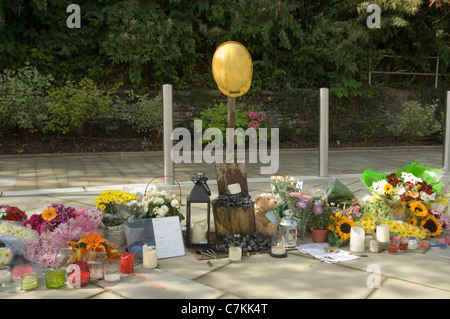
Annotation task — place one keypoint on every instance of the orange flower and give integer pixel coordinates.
(94, 242)
(49, 213)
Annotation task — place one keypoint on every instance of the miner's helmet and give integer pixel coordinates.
(232, 68)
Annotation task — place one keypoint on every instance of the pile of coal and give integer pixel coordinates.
(235, 200)
(250, 243)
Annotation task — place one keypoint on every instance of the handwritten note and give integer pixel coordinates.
(168, 237)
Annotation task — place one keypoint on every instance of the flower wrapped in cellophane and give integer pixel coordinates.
(409, 193)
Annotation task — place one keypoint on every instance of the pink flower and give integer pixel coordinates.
(295, 194)
(252, 114)
(253, 124)
(262, 117)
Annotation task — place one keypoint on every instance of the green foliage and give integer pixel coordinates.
(23, 100)
(415, 121)
(145, 113)
(75, 104)
(217, 117)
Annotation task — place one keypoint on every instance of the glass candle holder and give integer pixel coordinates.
(112, 270)
(127, 263)
(403, 245)
(29, 281)
(19, 270)
(235, 253)
(5, 274)
(77, 274)
(393, 246)
(95, 262)
(11, 287)
(55, 279)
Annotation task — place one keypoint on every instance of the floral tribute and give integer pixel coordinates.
(57, 225)
(11, 213)
(94, 242)
(407, 200)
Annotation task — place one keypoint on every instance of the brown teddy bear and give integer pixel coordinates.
(265, 203)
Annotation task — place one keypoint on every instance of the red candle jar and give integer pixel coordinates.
(78, 277)
(127, 263)
(423, 243)
(403, 245)
(19, 270)
(393, 247)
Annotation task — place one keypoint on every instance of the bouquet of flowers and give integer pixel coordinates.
(109, 201)
(157, 203)
(340, 227)
(11, 213)
(50, 218)
(94, 242)
(44, 248)
(410, 192)
(282, 187)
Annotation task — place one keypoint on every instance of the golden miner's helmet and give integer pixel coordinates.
(232, 68)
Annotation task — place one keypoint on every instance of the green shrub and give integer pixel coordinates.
(23, 100)
(415, 121)
(144, 113)
(217, 117)
(76, 104)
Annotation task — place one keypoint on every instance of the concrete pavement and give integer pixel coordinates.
(30, 182)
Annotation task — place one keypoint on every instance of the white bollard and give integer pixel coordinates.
(169, 169)
(446, 154)
(323, 133)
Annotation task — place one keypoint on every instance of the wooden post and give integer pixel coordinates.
(233, 220)
(231, 103)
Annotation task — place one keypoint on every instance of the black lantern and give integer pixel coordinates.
(198, 234)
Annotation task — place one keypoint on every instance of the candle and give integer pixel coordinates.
(357, 235)
(127, 263)
(199, 233)
(278, 251)
(383, 233)
(393, 246)
(235, 253)
(412, 243)
(112, 271)
(5, 274)
(403, 246)
(234, 188)
(367, 240)
(373, 246)
(149, 257)
(55, 279)
(19, 270)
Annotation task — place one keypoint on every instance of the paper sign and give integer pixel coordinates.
(168, 237)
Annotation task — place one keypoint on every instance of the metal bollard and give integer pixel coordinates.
(323, 133)
(169, 169)
(446, 155)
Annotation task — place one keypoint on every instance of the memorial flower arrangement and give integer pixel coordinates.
(157, 203)
(50, 218)
(11, 213)
(5, 256)
(410, 193)
(94, 242)
(44, 248)
(339, 229)
(109, 200)
(17, 230)
(282, 187)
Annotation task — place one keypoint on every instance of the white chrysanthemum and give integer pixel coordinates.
(174, 203)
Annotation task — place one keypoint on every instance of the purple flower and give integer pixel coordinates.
(318, 209)
(302, 204)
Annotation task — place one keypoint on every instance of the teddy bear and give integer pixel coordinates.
(265, 203)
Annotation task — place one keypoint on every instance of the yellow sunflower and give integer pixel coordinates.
(418, 209)
(343, 227)
(49, 213)
(431, 224)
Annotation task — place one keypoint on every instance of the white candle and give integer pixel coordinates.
(373, 246)
(149, 257)
(367, 240)
(278, 250)
(357, 235)
(199, 233)
(234, 188)
(235, 253)
(5, 275)
(383, 233)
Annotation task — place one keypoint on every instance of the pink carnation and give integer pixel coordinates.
(252, 114)
(253, 124)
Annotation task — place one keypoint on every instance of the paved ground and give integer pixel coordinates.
(32, 181)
